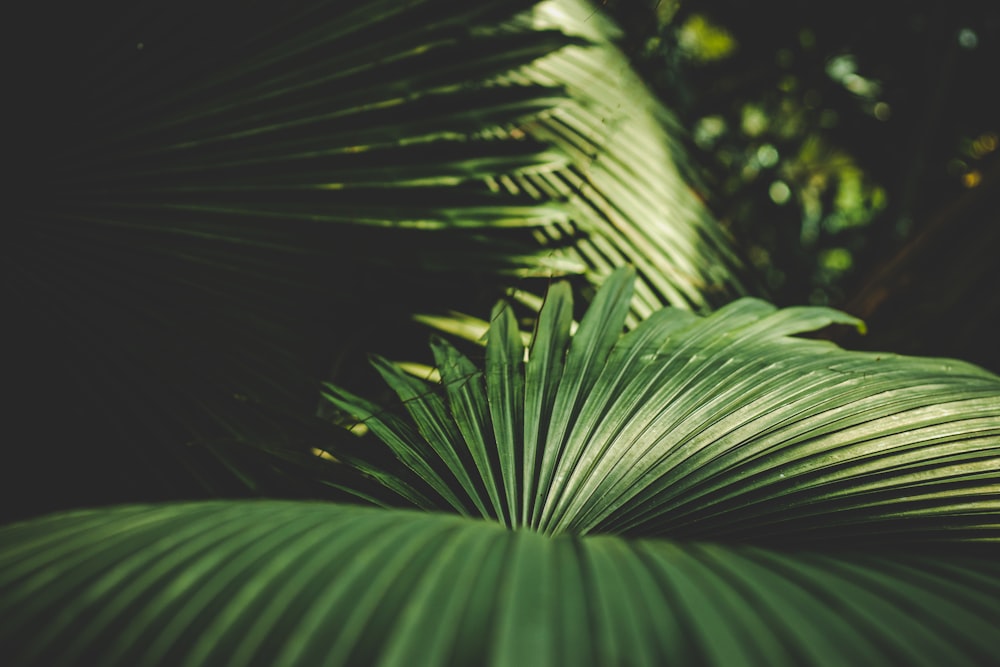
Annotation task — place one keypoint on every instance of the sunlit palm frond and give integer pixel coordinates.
(624, 181)
(719, 427)
(777, 500)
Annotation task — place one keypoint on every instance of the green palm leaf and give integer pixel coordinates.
(286, 583)
(214, 199)
(777, 500)
(623, 181)
(725, 426)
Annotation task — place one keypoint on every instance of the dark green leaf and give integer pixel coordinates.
(242, 583)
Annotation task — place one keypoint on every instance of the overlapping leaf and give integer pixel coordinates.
(623, 180)
(719, 427)
(212, 195)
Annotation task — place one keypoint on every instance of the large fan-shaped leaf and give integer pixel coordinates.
(718, 427)
(211, 195)
(282, 583)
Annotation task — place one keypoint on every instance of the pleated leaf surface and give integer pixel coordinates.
(720, 427)
(292, 583)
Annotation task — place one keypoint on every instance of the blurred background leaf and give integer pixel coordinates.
(217, 205)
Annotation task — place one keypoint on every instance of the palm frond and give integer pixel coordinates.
(211, 196)
(623, 180)
(718, 427)
(287, 583)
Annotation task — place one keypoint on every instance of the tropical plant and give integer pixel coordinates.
(699, 490)
(218, 201)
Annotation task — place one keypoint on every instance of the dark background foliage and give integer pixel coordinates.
(851, 148)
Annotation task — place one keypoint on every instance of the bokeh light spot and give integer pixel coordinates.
(972, 179)
(754, 121)
(837, 259)
(841, 67)
(968, 39)
(985, 144)
(708, 130)
(704, 41)
(767, 155)
(780, 192)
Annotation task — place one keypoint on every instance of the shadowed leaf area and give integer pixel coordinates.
(220, 203)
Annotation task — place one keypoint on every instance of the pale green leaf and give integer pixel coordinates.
(729, 427)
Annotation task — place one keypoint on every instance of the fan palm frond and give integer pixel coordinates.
(265, 582)
(211, 196)
(698, 490)
(722, 427)
(623, 180)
